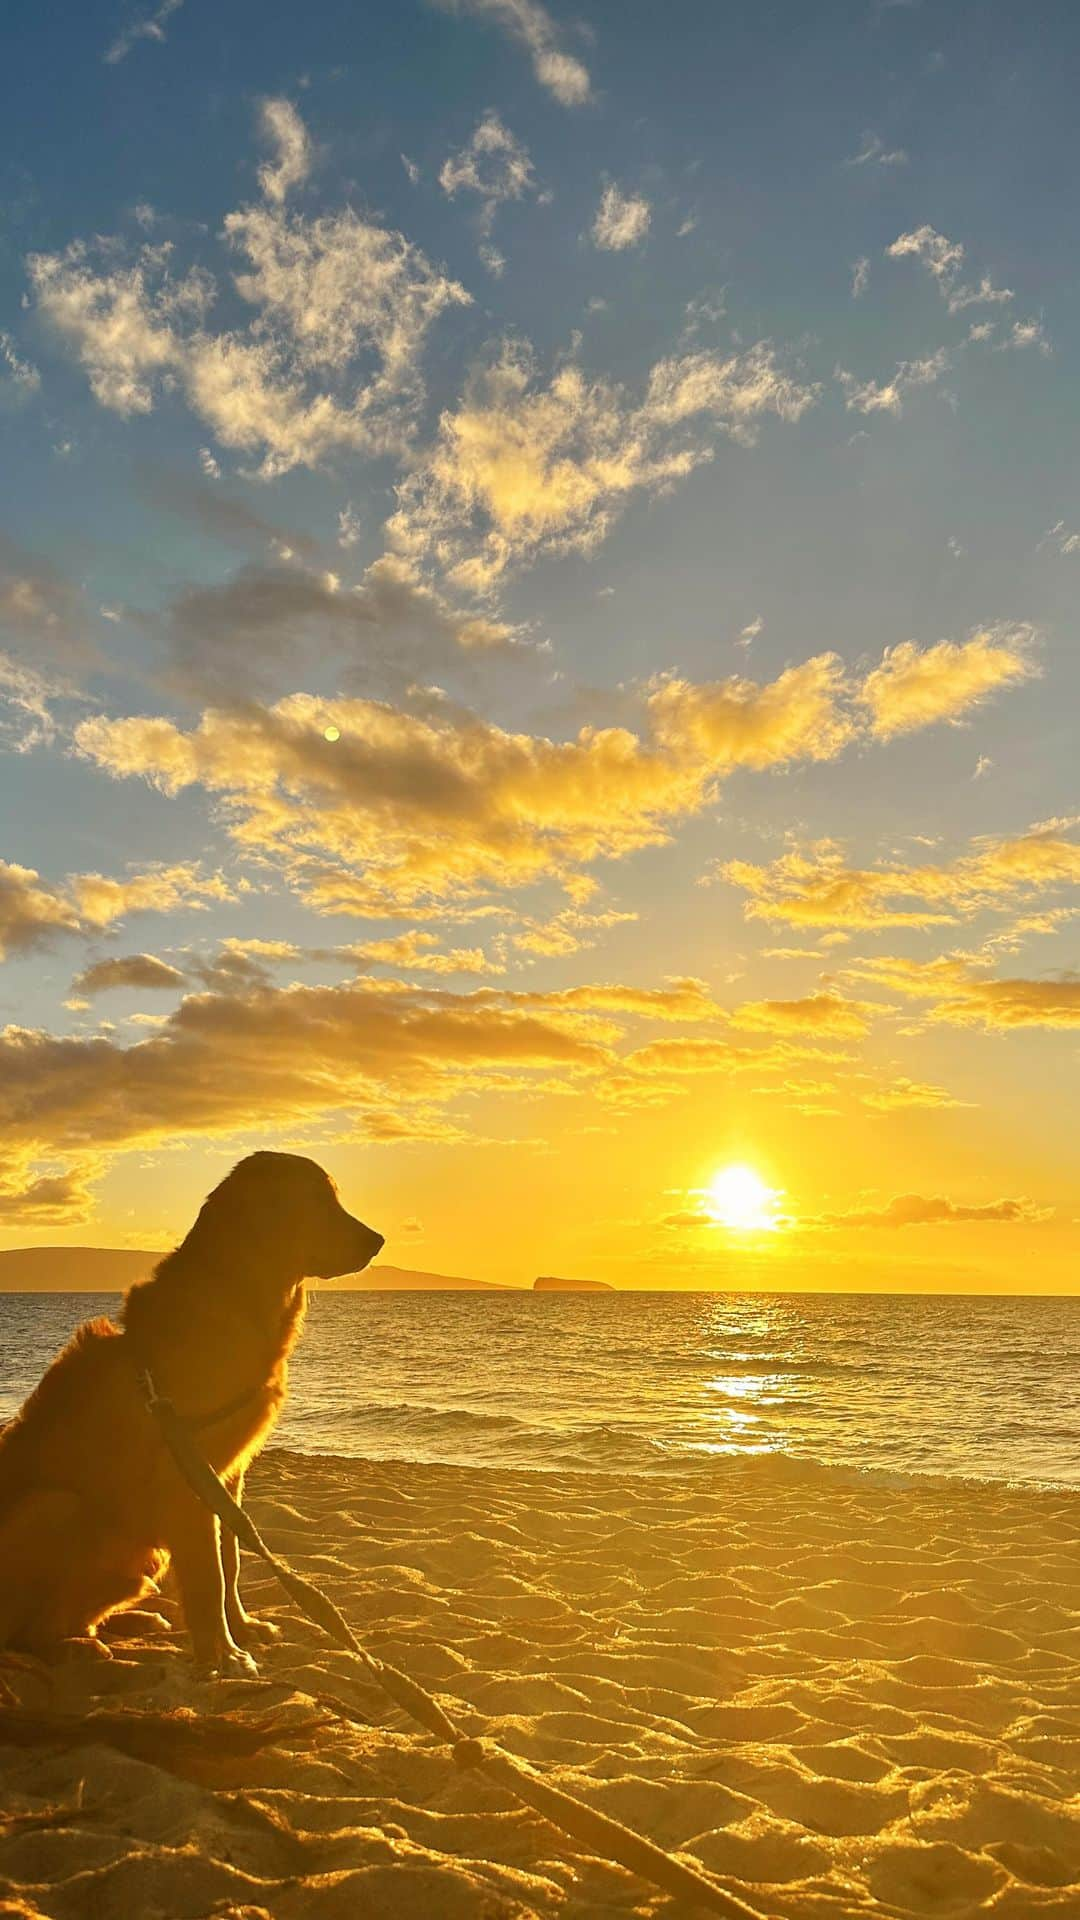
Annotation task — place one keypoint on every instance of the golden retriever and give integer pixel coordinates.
(92, 1507)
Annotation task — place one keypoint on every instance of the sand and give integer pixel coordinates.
(840, 1700)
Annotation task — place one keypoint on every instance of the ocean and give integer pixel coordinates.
(893, 1386)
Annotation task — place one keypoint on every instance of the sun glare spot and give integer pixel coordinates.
(738, 1198)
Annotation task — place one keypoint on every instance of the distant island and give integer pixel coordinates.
(550, 1283)
(113, 1269)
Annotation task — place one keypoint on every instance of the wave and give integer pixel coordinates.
(421, 1434)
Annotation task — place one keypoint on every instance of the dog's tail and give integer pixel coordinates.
(179, 1740)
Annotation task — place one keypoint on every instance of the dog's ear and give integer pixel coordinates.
(239, 1223)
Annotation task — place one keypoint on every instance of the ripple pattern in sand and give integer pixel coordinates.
(844, 1702)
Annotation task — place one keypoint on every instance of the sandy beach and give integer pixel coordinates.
(839, 1699)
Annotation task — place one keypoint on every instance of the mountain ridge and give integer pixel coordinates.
(112, 1269)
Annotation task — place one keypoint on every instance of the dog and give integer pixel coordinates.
(92, 1507)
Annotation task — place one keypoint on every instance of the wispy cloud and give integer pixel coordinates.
(561, 73)
(330, 360)
(874, 153)
(815, 886)
(494, 166)
(944, 261)
(622, 220)
(21, 378)
(872, 396)
(916, 1210)
(148, 26)
(283, 129)
(522, 466)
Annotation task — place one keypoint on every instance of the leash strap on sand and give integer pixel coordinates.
(608, 1838)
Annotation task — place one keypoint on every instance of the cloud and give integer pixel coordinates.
(622, 220)
(494, 166)
(896, 1095)
(102, 899)
(530, 23)
(409, 810)
(1028, 333)
(41, 613)
(662, 1059)
(283, 129)
(917, 686)
(32, 912)
(1004, 1005)
(814, 887)
(964, 997)
(149, 26)
(371, 1059)
(21, 379)
(139, 970)
(418, 952)
(944, 260)
(329, 361)
(828, 1013)
(378, 1060)
(26, 706)
(860, 277)
(244, 636)
(913, 1210)
(571, 931)
(48, 1199)
(523, 468)
(874, 152)
(872, 396)
(738, 723)
(1059, 536)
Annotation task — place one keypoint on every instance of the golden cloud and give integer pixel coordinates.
(32, 911)
(815, 888)
(139, 970)
(828, 1013)
(917, 686)
(964, 997)
(914, 1210)
(402, 810)
(522, 468)
(29, 1199)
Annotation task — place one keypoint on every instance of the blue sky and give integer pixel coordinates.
(536, 399)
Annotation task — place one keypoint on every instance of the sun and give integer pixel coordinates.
(738, 1198)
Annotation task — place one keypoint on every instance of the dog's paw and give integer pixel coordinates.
(234, 1664)
(253, 1632)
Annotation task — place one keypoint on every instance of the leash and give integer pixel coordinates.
(608, 1838)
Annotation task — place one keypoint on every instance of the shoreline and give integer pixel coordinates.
(769, 1463)
(841, 1701)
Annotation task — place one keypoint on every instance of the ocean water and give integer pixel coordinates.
(894, 1386)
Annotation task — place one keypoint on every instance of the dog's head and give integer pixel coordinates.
(284, 1209)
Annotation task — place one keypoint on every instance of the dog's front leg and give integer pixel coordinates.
(195, 1550)
(246, 1630)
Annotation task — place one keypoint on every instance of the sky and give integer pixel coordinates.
(537, 630)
